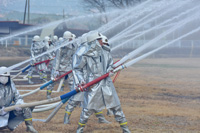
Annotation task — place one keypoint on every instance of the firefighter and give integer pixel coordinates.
(98, 61)
(9, 95)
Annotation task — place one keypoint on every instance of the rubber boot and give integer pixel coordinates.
(101, 118)
(80, 128)
(124, 127)
(30, 127)
(29, 80)
(66, 118)
(62, 88)
(44, 77)
(40, 75)
(48, 94)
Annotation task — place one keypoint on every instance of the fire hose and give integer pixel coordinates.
(29, 66)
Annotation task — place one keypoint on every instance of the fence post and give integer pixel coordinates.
(26, 40)
(192, 47)
(6, 44)
(19, 41)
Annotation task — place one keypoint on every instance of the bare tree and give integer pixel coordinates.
(98, 4)
(101, 5)
(6, 2)
(123, 3)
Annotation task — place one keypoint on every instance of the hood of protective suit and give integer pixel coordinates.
(4, 80)
(93, 48)
(106, 47)
(38, 44)
(46, 44)
(69, 45)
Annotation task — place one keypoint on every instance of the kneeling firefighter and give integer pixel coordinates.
(9, 96)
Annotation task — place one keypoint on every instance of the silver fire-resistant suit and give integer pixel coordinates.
(53, 53)
(52, 46)
(62, 64)
(8, 95)
(38, 48)
(103, 94)
(79, 98)
(53, 62)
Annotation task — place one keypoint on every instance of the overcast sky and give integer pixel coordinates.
(44, 6)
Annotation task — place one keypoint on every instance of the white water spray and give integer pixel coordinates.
(157, 26)
(140, 49)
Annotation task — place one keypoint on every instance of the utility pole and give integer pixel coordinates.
(25, 12)
(27, 5)
(28, 11)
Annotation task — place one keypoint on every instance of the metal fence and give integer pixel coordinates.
(25, 41)
(17, 41)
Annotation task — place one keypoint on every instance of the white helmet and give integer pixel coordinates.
(60, 39)
(93, 36)
(36, 38)
(104, 39)
(67, 35)
(2, 69)
(47, 39)
(55, 38)
(84, 38)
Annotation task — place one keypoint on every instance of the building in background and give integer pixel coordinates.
(13, 27)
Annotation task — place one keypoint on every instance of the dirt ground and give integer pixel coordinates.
(157, 95)
(8, 61)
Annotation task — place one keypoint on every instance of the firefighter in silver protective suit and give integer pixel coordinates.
(53, 44)
(9, 96)
(50, 44)
(37, 48)
(78, 98)
(98, 61)
(62, 62)
(56, 43)
(55, 40)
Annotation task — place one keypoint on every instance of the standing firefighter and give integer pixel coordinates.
(55, 40)
(50, 44)
(63, 61)
(78, 98)
(98, 61)
(9, 94)
(36, 40)
(37, 48)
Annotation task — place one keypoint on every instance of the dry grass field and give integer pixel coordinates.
(157, 95)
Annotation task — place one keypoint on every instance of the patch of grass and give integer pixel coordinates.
(139, 90)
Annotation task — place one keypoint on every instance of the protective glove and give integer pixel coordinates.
(110, 69)
(18, 108)
(51, 58)
(52, 78)
(82, 83)
(77, 88)
(111, 73)
(33, 62)
(56, 74)
(2, 112)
